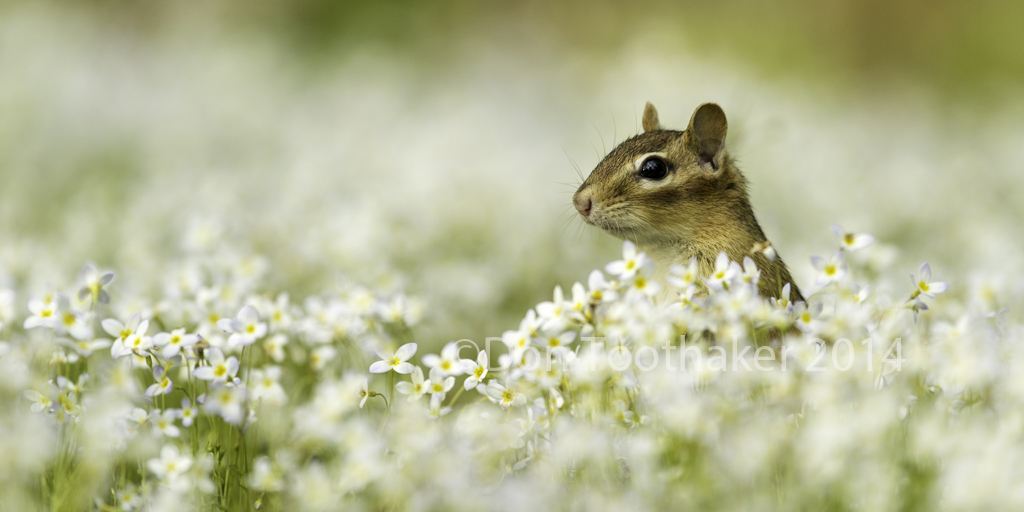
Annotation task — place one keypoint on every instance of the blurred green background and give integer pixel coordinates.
(439, 141)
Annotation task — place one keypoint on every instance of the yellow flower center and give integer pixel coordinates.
(446, 365)
(630, 265)
(848, 238)
(923, 286)
(806, 318)
(69, 319)
(394, 361)
(125, 333)
(507, 395)
(640, 283)
(175, 340)
(830, 270)
(220, 370)
(46, 313)
(439, 387)
(554, 342)
(479, 372)
(417, 388)
(250, 329)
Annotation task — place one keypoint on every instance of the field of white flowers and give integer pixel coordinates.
(227, 283)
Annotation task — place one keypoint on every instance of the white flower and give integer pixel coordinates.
(188, 412)
(85, 348)
(477, 370)
(321, 356)
(631, 262)
(751, 275)
(436, 411)
(862, 294)
(399, 309)
(227, 402)
(438, 384)
(138, 418)
(280, 314)
(641, 282)
(580, 299)
(245, 329)
(60, 357)
(517, 341)
(129, 497)
(171, 343)
(397, 360)
(73, 388)
(600, 289)
(265, 477)
(163, 423)
(686, 297)
(921, 282)
(265, 385)
(807, 316)
(94, 284)
(766, 249)
(553, 313)
(73, 322)
(129, 337)
(274, 346)
(43, 314)
(832, 270)
(682, 277)
(171, 463)
(364, 390)
(782, 301)
(505, 397)
(725, 272)
(448, 362)
(850, 241)
(40, 402)
(416, 388)
(163, 385)
(555, 400)
(221, 369)
(556, 341)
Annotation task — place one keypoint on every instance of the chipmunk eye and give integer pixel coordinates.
(653, 169)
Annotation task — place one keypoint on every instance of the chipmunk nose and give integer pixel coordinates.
(583, 203)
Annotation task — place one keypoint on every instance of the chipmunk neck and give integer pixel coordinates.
(726, 224)
(735, 233)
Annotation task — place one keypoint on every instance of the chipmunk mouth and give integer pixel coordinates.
(610, 223)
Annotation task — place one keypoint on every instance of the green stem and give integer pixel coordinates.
(457, 395)
(391, 390)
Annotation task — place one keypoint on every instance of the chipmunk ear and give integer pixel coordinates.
(650, 120)
(707, 132)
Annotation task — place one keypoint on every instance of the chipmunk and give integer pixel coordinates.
(678, 195)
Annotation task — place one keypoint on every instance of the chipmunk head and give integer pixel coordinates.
(665, 186)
